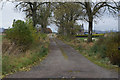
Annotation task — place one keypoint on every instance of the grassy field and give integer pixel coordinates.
(83, 38)
(93, 35)
(0, 38)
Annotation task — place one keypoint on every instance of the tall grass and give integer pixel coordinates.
(22, 47)
(103, 52)
(108, 47)
(14, 60)
(13, 63)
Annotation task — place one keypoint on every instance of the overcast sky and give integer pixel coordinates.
(8, 14)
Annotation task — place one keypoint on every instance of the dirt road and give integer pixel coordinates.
(64, 61)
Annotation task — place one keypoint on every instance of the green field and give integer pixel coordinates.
(82, 38)
(0, 38)
(93, 35)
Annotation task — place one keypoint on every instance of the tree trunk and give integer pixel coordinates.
(90, 31)
(42, 29)
(62, 30)
(34, 19)
(34, 14)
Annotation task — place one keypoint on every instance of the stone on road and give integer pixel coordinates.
(64, 61)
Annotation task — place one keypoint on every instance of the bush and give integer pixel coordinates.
(23, 34)
(20, 33)
(112, 43)
(108, 47)
(99, 48)
(43, 36)
(66, 38)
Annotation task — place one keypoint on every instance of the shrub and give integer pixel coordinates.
(35, 35)
(23, 34)
(43, 36)
(99, 48)
(113, 42)
(19, 33)
(108, 47)
(66, 38)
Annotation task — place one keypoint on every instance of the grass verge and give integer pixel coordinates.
(24, 61)
(84, 48)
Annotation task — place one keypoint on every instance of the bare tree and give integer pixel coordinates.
(31, 9)
(94, 10)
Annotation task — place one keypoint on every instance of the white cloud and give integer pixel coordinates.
(9, 14)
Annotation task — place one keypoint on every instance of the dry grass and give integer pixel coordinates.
(84, 49)
(14, 59)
